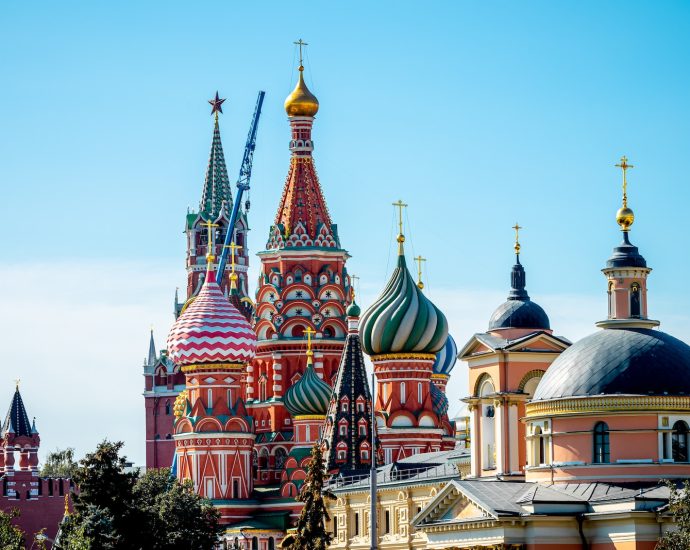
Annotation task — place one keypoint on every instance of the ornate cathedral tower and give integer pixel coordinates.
(347, 433)
(215, 206)
(162, 380)
(506, 364)
(402, 332)
(303, 286)
(211, 342)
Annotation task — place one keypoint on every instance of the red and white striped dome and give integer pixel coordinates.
(211, 330)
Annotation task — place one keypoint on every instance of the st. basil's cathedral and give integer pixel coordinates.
(246, 387)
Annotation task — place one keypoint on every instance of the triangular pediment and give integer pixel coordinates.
(451, 504)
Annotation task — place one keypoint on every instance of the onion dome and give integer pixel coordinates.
(301, 102)
(445, 359)
(631, 361)
(353, 310)
(439, 400)
(309, 396)
(211, 330)
(519, 311)
(402, 319)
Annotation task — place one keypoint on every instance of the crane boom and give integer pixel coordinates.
(242, 184)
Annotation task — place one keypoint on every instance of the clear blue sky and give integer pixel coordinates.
(477, 114)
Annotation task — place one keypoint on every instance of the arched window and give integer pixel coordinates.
(280, 457)
(271, 544)
(328, 332)
(679, 442)
(612, 310)
(601, 443)
(298, 331)
(403, 393)
(168, 408)
(635, 300)
(255, 543)
(540, 448)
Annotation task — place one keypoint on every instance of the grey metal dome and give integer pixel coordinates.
(519, 314)
(519, 311)
(635, 361)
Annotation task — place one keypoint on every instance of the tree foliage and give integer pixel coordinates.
(311, 532)
(59, 463)
(11, 536)
(679, 506)
(118, 510)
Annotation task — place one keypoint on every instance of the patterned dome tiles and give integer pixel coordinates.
(211, 330)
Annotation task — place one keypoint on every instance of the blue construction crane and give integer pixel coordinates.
(242, 184)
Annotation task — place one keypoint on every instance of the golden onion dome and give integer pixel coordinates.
(625, 218)
(301, 102)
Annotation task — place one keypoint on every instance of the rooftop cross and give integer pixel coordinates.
(309, 332)
(354, 279)
(401, 238)
(419, 261)
(209, 247)
(300, 43)
(233, 276)
(625, 166)
(517, 238)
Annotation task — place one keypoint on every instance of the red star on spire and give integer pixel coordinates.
(216, 104)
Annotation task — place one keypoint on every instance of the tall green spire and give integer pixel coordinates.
(216, 185)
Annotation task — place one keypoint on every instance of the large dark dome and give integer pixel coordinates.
(635, 361)
(519, 314)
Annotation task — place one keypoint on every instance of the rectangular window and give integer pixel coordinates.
(335, 526)
(362, 429)
(356, 523)
(360, 407)
(344, 407)
(387, 522)
(419, 393)
(209, 488)
(403, 392)
(343, 429)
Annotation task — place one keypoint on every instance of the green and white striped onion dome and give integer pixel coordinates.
(309, 396)
(402, 319)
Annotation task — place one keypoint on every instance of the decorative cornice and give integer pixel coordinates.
(398, 356)
(309, 417)
(441, 377)
(212, 367)
(605, 404)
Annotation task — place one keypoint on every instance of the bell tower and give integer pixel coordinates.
(626, 272)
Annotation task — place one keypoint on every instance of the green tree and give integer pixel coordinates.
(59, 463)
(175, 516)
(11, 536)
(311, 532)
(679, 506)
(118, 510)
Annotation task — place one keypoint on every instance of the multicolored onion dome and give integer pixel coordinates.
(309, 396)
(211, 330)
(439, 400)
(445, 359)
(402, 319)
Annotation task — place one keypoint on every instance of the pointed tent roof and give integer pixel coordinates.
(17, 421)
(216, 185)
(151, 359)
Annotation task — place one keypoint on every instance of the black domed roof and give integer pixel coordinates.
(519, 314)
(634, 361)
(519, 311)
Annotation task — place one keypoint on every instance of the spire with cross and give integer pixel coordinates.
(516, 247)
(624, 166)
(309, 332)
(419, 261)
(625, 216)
(401, 238)
(300, 43)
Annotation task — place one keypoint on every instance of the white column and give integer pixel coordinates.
(513, 443)
(499, 425)
(474, 442)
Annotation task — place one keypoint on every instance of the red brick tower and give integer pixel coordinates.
(303, 285)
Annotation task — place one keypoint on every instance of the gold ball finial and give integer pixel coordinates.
(625, 218)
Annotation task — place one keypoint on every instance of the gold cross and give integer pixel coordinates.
(401, 238)
(309, 332)
(517, 237)
(300, 43)
(419, 261)
(624, 166)
(354, 280)
(209, 249)
(233, 247)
